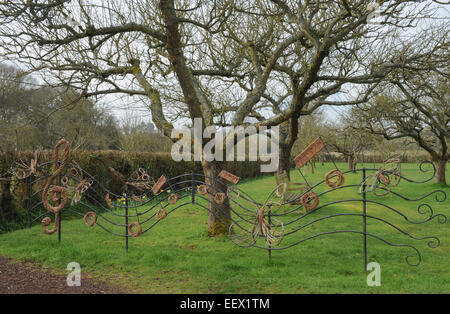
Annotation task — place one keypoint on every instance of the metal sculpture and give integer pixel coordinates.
(57, 193)
(252, 224)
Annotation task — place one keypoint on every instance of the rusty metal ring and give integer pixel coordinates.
(219, 198)
(331, 175)
(64, 180)
(173, 199)
(133, 225)
(202, 189)
(161, 214)
(309, 200)
(90, 218)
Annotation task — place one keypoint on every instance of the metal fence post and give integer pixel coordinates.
(126, 222)
(60, 216)
(269, 219)
(364, 220)
(192, 188)
(30, 196)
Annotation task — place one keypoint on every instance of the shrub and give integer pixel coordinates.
(14, 194)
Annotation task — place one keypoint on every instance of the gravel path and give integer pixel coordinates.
(30, 278)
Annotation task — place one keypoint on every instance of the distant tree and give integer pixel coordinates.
(342, 138)
(309, 128)
(35, 116)
(414, 103)
(140, 136)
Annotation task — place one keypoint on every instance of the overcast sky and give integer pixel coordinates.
(127, 107)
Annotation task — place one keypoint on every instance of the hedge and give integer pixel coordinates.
(14, 194)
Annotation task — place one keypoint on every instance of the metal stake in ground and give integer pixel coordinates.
(60, 216)
(364, 220)
(126, 222)
(30, 198)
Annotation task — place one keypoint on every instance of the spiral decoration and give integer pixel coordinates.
(22, 170)
(57, 193)
(161, 214)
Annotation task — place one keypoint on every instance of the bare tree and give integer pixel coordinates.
(414, 103)
(226, 62)
(347, 141)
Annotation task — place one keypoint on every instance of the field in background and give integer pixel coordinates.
(177, 256)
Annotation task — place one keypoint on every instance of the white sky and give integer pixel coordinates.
(127, 107)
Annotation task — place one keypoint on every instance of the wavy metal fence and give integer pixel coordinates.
(271, 225)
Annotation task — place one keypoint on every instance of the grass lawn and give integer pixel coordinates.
(177, 256)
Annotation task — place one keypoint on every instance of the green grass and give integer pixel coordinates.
(177, 256)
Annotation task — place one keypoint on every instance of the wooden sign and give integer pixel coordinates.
(313, 149)
(229, 177)
(159, 184)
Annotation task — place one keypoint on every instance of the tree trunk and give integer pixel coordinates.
(440, 170)
(350, 162)
(219, 216)
(285, 159)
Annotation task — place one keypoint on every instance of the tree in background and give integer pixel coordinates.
(35, 116)
(342, 138)
(137, 135)
(414, 103)
(309, 128)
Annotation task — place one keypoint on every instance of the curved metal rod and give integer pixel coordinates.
(430, 243)
(346, 231)
(437, 198)
(441, 218)
(231, 208)
(168, 213)
(40, 216)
